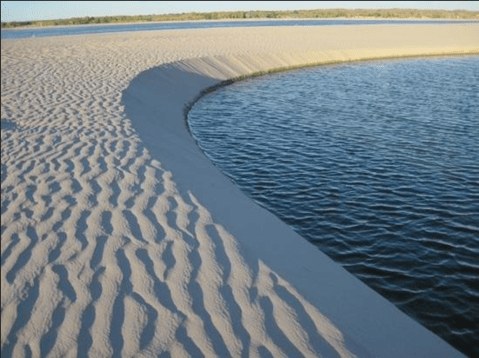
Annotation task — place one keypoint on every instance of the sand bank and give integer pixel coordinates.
(119, 238)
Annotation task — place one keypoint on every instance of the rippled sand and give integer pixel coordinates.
(120, 239)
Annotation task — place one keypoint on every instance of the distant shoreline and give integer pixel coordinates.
(337, 14)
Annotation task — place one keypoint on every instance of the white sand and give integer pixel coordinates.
(120, 239)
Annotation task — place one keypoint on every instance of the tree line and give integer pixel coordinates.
(297, 14)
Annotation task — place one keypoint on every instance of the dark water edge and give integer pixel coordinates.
(133, 27)
(375, 163)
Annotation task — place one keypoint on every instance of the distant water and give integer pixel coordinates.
(105, 28)
(377, 164)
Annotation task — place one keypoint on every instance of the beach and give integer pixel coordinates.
(120, 238)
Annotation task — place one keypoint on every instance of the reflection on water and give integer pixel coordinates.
(375, 163)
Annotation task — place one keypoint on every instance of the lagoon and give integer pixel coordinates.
(375, 163)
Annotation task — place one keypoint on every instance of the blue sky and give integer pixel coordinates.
(45, 10)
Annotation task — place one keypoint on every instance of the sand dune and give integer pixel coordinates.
(119, 238)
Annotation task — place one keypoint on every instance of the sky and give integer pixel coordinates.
(51, 10)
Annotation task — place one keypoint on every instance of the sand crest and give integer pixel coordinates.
(119, 238)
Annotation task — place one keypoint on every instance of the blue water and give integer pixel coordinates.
(375, 163)
(97, 29)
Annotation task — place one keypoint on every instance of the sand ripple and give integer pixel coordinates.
(101, 255)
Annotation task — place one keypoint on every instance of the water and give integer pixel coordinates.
(106, 28)
(377, 164)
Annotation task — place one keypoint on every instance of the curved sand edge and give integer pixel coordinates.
(120, 238)
(278, 246)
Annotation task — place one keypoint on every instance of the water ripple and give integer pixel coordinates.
(376, 164)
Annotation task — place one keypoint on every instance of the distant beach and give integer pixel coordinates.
(119, 238)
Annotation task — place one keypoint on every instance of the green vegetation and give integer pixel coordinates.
(298, 14)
